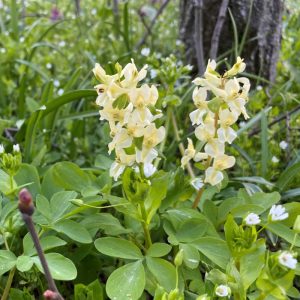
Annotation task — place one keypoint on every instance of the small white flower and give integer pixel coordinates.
(56, 83)
(278, 213)
(2, 50)
(149, 170)
(197, 183)
(223, 290)
(286, 259)
(2, 150)
(62, 44)
(259, 88)
(145, 51)
(94, 11)
(43, 107)
(60, 92)
(48, 66)
(252, 219)
(283, 145)
(16, 148)
(275, 160)
(178, 42)
(242, 124)
(22, 39)
(153, 73)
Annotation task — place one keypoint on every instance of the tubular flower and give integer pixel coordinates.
(215, 118)
(130, 111)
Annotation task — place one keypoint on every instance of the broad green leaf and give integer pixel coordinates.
(118, 247)
(157, 193)
(159, 250)
(127, 282)
(5, 183)
(163, 271)
(7, 261)
(61, 268)
(285, 233)
(105, 221)
(191, 255)
(191, 230)
(60, 203)
(29, 174)
(73, 230)
(69, 176)
(215, 249)
(24, 263)
(47, 242)
(43, 207)
(252, 263)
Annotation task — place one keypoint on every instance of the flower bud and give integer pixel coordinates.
(25, 202)
(178, 258)
(50, 295)
(173, 295)
(296, 226)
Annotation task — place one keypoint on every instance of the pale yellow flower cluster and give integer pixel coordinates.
(130, 112)
(214, 118)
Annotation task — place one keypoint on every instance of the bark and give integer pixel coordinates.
(262, 43)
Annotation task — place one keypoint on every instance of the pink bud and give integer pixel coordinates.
(25, 202)
(50, 295)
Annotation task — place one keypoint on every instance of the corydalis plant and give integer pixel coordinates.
(130, 112)
(214, 118)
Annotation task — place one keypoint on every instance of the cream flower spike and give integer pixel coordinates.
(126, 107)
(215, 118)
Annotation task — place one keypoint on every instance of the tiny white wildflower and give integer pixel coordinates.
(22, 39)
(283, 145)
(145, 51)
(149, 169)
(62, 44)
(275, 160)
(278, 213)
(223, 290)
(2, 50)
(60, 92)
(153, 73)
(19, 123)
(94, 11)
(44, 130)
(252, 219)
(259, 88)
(48, 66)
(2, 150)
(197, 183)
(178, 42)
(286, 259)
(43, 107)
(242, 124)
(16, 148)
(56, 83)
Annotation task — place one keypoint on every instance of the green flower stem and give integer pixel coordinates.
(177, 279)
(8, 284)
(180, 145)
(198, 197)
(148, 241)
(294, 241)
(167, 127)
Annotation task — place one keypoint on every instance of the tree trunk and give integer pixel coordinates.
(262, 42)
